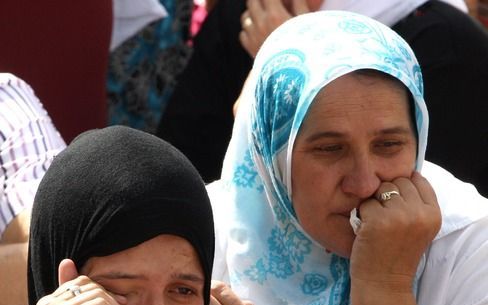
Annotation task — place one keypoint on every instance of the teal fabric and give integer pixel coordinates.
(143, 70)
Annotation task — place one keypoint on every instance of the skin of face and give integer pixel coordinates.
(357, 134)
(163, 270)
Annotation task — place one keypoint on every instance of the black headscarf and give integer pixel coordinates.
(110, 190)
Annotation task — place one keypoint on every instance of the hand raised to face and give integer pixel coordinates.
(262, 17)
(397, 227)
(75, 289)
(222, 294)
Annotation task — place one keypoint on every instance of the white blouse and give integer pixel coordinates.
(388, 12)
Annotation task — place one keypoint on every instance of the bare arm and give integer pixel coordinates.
(18, 229)
(13, 273)
(13, 261)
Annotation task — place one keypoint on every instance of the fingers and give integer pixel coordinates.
(395, 230)
(214, 301)
(299, 7)
(415, 189)
(222, 294)
(402, 194)
(83, 282)
(247, 21)
(254, 10)
(408, 202)
(96, 295)
(246, 42)
(248, 37)
(67, 271)
(276, 6)
(82, 290)
(403, 190)
(425, 190)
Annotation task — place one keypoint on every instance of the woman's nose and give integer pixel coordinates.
(361, 178)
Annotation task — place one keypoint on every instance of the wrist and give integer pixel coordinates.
(396, 290)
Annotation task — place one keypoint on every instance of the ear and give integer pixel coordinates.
(67, 271)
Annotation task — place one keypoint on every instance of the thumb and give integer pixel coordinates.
(67, 271)
(300, 7)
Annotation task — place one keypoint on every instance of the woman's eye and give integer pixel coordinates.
(184, 290)
(389, 146)
(328, 148)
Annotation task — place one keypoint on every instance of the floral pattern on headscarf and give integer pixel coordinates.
(271, 259)
(142, 71)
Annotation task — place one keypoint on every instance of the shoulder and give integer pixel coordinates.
(18, 104)
(220, 204)
(460, 202)
(456, 267)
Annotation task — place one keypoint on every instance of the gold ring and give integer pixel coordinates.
(247, 22)
(387, 195)
(75, 290)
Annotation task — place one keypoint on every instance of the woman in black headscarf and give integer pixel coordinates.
(131, 214)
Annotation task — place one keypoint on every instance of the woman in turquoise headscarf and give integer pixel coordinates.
(325, 197)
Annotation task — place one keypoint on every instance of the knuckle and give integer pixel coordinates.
(84, 279)
(218, 286)
(101, 301)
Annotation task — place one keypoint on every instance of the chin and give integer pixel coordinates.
(341, 247)
(342, 242)
(344, 253)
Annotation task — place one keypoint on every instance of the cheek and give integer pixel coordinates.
(402, 166)
(408, 159)
(312, 187)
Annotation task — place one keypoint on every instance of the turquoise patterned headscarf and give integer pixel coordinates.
(271, 259)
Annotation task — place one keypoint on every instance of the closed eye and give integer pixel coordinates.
(328, 148)
(388, 147)
(389, 143)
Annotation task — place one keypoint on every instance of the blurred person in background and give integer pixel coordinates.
(28, 143)
(149, 50)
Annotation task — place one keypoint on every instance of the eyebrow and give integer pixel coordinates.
(188, 277)
(336, 134)
(117, 275)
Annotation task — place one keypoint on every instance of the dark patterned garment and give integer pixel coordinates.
(143, 70)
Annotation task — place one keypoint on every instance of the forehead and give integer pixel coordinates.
(366, 95)
(164, 252)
